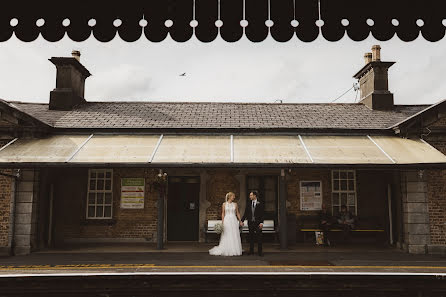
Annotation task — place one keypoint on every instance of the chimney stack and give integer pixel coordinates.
(76, 54)
(373, 81)
(367, 58)
(70, 82)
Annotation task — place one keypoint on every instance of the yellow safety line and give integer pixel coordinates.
(77, 266)
(311, 267)
(88, 266)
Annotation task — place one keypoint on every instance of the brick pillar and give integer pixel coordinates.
(415, 212)
(25, 230)
(6, 199)
(436, 189)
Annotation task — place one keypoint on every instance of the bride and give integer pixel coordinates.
(230, 243)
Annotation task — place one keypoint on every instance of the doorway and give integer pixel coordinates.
(183, 208)
(267, 187)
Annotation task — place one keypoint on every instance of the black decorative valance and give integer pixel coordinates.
(231, 19)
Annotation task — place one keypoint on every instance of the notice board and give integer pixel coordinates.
(310, 195)
(132, 193)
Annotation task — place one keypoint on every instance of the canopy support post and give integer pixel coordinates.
(282, 211)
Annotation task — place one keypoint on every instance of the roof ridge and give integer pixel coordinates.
(22, 102)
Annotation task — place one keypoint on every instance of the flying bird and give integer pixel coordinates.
(183, 74)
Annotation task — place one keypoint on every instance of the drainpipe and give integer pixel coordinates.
(160, 233)
(13, 212)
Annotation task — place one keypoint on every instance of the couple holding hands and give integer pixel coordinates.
(230, 241)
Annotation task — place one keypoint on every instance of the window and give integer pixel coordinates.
(343, 190)
(267, 188)
(100, 194)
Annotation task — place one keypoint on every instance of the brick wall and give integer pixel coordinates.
(5, 206)
(293, 186)
(218, 184)
(436, 186)
(436, 191)
(371, 191)
(71, 191)
(437, 137)
(127, 223)
(5, 202)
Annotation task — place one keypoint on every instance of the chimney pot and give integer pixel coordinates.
(76, 54)
(367, 58)
(376, 53)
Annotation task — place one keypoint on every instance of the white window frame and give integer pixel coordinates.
(340, 192)
(105, 171)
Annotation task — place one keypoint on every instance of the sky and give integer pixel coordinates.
(294, 72)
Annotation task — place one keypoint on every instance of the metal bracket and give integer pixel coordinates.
(16, 175)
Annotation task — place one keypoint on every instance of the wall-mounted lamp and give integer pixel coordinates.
(161, 174)
(420, 174)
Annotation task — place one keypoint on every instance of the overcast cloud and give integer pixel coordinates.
(294, 72)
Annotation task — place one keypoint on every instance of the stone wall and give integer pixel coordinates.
(415, 212)
(26, 216)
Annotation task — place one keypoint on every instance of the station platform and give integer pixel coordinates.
(183, 258)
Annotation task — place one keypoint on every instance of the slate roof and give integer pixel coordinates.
(210, 115)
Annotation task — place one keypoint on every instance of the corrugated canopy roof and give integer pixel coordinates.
(232, 150)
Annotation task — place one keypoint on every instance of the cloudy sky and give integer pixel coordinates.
(294, 72)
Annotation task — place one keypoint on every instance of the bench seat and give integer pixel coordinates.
(338, 230)
(378, 232)
(268, 227)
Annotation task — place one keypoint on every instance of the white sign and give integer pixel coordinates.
(310, 195)
(132, 193)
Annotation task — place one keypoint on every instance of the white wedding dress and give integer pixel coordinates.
(230, 243)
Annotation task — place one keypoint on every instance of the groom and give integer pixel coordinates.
(254, 214)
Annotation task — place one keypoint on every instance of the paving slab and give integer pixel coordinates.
(194, 258)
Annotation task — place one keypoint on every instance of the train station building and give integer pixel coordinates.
(74, 171)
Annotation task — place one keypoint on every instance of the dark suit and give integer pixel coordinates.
(254, 231)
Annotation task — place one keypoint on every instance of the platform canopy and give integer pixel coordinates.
(226, 150)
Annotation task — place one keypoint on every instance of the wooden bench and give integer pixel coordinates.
(268, 227)
(338, 230)
(310, 223)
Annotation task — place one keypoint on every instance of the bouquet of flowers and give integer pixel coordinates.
(218, 228)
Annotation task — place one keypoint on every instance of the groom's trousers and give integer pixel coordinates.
(255, 234)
